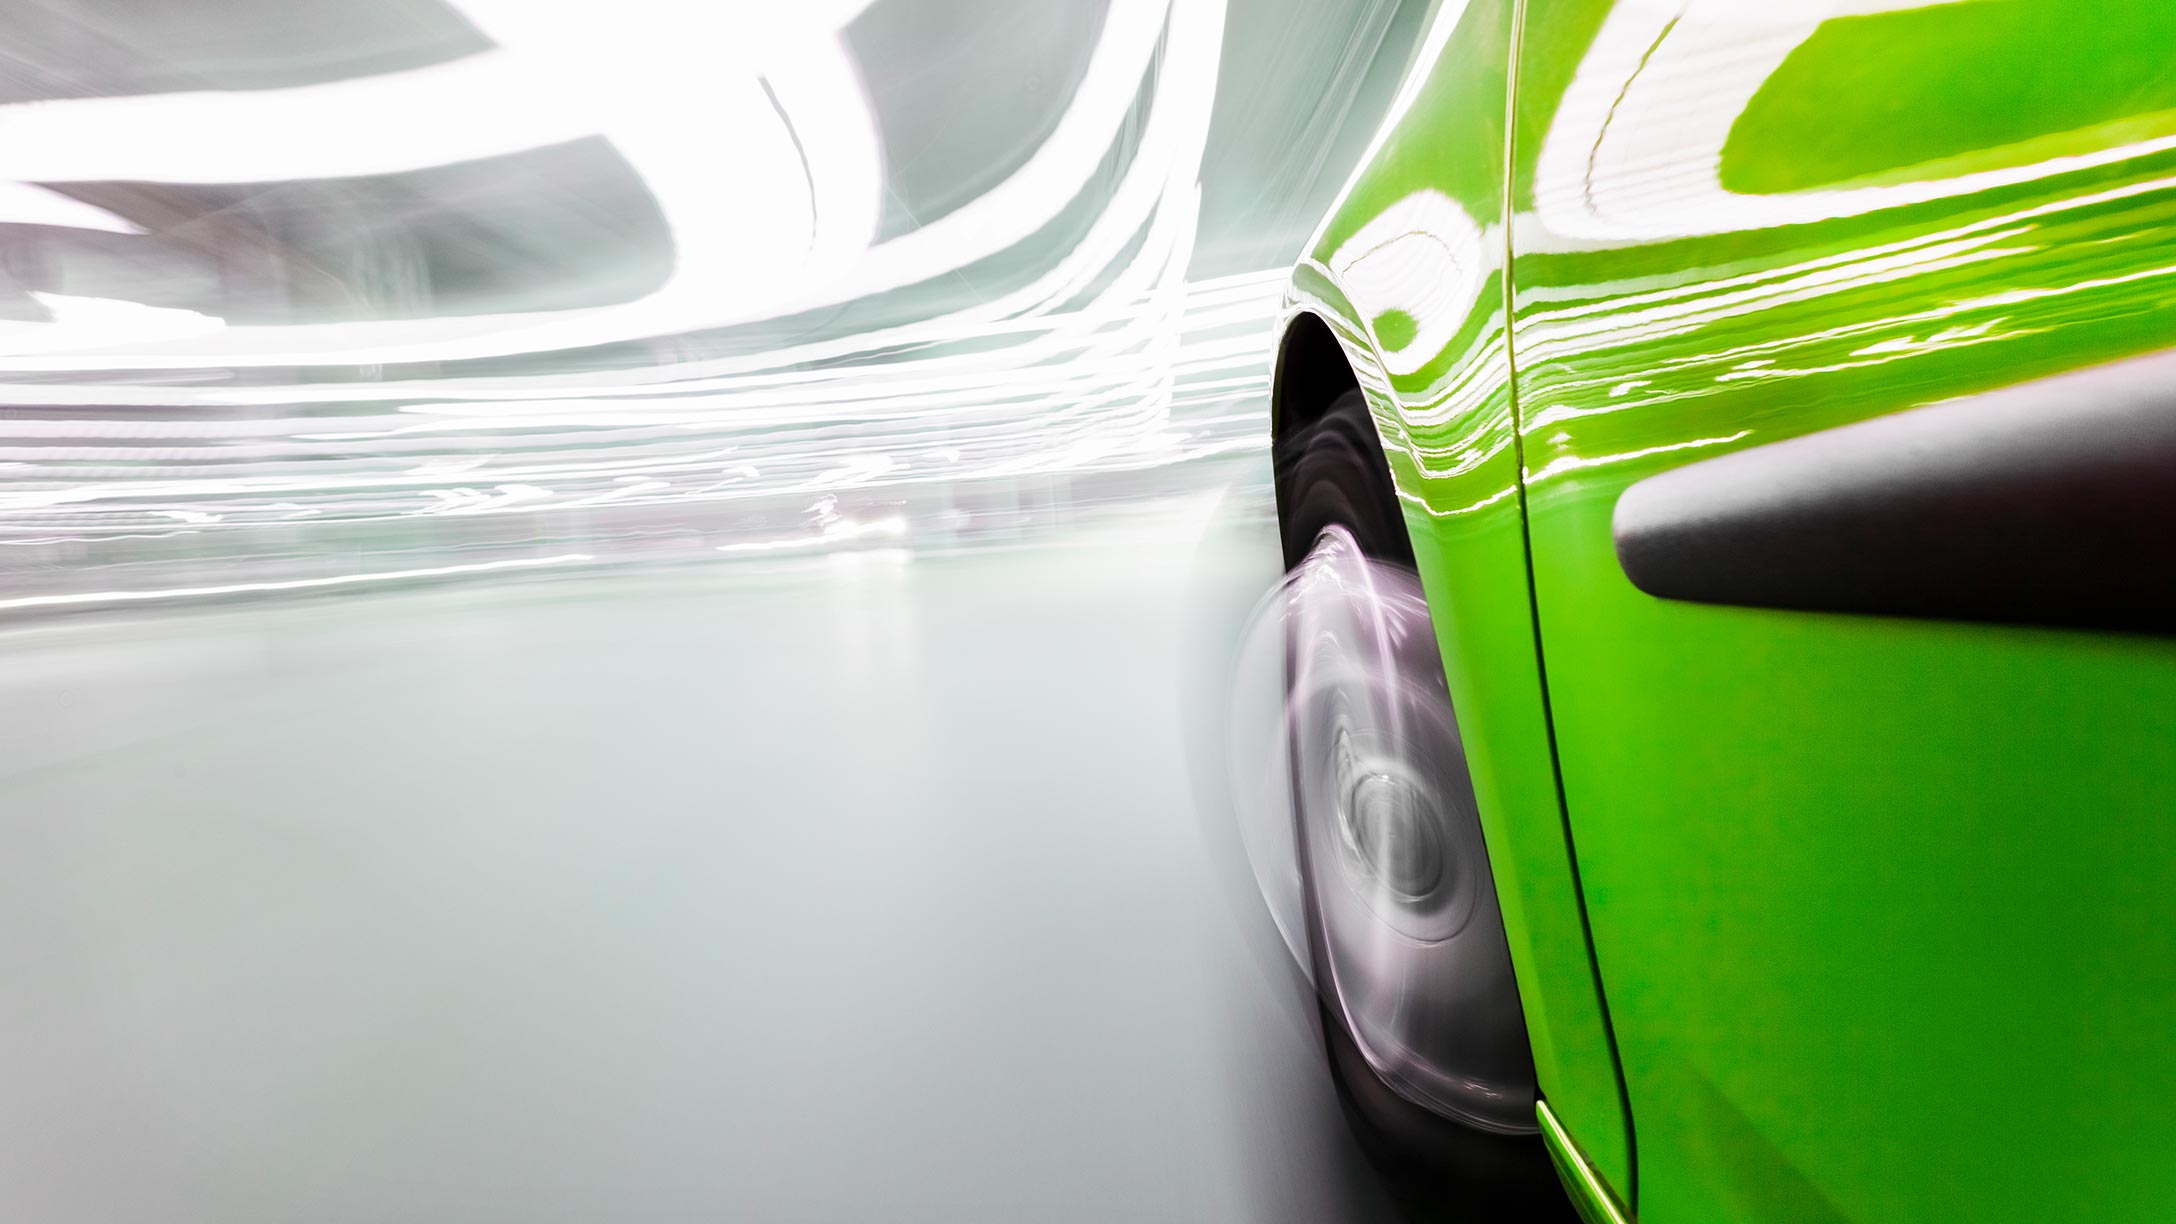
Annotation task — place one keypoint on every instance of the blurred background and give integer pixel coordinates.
(324, 291)
(629, 611)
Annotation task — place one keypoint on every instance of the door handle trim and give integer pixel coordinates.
(2047, 503)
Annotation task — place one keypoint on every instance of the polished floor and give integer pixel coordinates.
(879, 886)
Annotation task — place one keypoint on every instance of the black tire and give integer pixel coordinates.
(1333, 484)
(1434, 1168)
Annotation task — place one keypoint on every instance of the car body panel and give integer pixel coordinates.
(1884, 909)
(1430, 352)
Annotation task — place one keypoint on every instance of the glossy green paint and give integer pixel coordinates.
(1885, 910)
(1435, 369)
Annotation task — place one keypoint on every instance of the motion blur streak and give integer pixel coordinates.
(1155, 382)
(620, 609)
(245, 588)
(201, 447)
(223, 370)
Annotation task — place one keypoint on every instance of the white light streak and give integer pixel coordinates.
(1105, 359)
(88, 598)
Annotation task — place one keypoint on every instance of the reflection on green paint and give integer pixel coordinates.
(1395, 329)
(1933, 92)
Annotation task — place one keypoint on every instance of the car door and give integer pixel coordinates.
(1881, 879)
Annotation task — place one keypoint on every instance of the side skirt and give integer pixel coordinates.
(1589, 1193)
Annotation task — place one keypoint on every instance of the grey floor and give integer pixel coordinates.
(866, 887)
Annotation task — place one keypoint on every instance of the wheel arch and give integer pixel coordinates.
(1315, 375)
(1322, 353)
(1323, 350)
(1312, 370)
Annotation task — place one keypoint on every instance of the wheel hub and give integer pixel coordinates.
(1392, 830)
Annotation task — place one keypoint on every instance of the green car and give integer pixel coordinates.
(1726, 457)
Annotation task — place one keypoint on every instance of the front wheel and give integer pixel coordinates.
(1421, 1013)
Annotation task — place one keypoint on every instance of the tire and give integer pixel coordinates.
(1421, 1018)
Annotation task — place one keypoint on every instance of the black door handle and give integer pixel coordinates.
(2047, 503)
